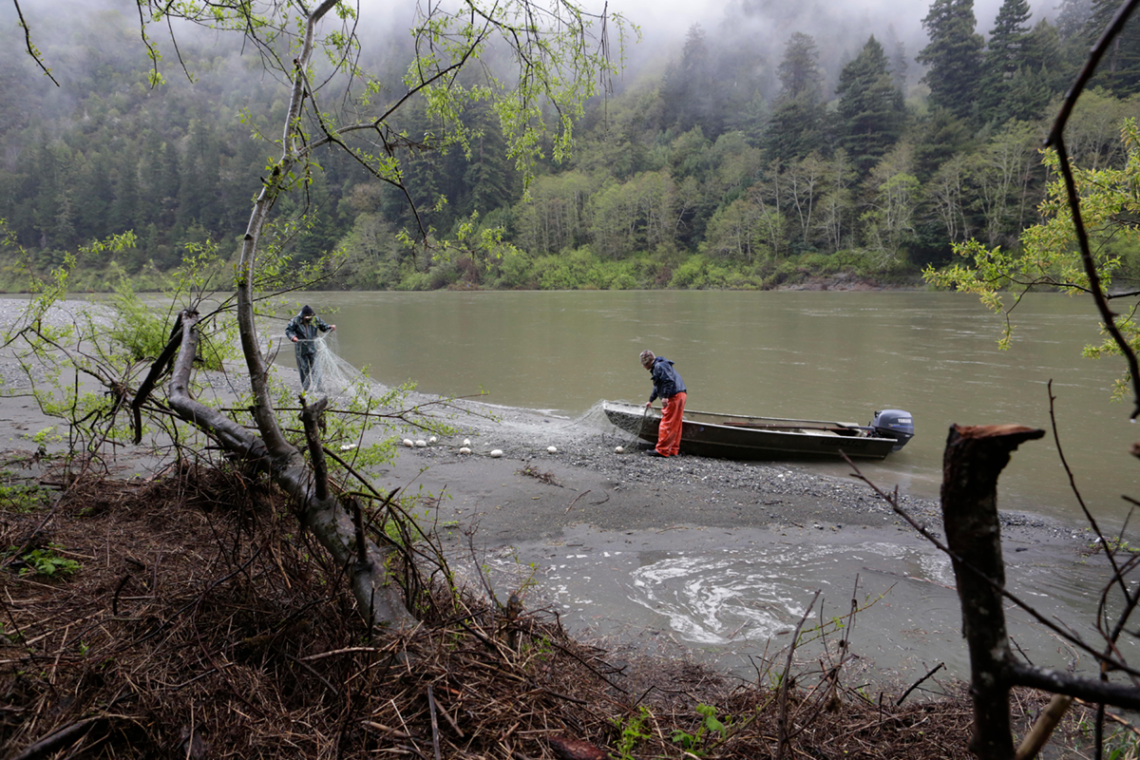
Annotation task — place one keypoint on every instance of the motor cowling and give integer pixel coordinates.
(894, 423)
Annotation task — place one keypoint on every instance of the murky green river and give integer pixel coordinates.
(822, 355)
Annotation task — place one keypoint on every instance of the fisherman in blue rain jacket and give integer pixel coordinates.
(670, 388)
(303, 330)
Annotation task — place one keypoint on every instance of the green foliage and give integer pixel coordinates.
(708, 156)
(46, 562)
(21, 497)
(516, 272)
(698, 273)
(138, 328)
(567, 271)
(1004, 56)
(634, 730)
(1049, 258)
(954, 56)
(579, 269)
(46, 435)
(711, 729)
(889, 222)
(1119, 744)
(799, 70)
(870, 106)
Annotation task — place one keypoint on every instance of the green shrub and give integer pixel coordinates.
(568, 270)
(45, 562)
(612, 275)
(442, 275)
(414, 281)
(138, 329)
(514, 271)
(692, 274)
(820, 263)
(23, 498)
(699, 273)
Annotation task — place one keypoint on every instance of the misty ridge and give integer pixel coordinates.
(761, 143)
(94, 35)
(762, 28)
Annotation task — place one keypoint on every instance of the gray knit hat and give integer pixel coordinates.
(647, 358)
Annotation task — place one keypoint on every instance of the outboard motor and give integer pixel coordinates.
(894, 423)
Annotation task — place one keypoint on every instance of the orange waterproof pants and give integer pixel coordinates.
(669, 432)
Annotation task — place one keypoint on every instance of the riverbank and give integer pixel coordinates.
(695, 555)
(551, 273)
(720, 557)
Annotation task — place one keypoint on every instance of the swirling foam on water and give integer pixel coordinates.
(740, 595)
(733, 602)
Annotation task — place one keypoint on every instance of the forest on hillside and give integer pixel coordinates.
(731, 165)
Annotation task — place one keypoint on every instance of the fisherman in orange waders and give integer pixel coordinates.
(670, 388)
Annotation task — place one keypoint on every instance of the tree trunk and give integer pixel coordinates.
(973, 459)
(378, 598)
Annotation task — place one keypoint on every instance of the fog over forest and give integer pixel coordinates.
(841, 29)
(750, 144)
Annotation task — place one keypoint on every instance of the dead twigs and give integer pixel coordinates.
(234, 640)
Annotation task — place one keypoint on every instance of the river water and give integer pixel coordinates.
(818, 355)
(732, 596)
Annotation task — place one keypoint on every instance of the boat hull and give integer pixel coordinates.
(739, 437)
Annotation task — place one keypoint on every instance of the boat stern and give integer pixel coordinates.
(896, 424)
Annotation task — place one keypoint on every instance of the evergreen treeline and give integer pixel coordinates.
(730, 168)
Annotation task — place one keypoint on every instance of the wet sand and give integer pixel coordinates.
(719, 559)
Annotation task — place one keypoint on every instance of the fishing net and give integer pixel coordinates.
(330, 375)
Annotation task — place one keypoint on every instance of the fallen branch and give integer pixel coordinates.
(54, 742)
(919, 682)
(326, 517)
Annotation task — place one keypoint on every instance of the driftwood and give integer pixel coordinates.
(377, 598)
(160, 365)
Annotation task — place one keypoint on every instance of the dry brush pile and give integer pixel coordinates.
(201, 622)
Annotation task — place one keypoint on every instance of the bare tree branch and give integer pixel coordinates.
(1056, 139)
(35, 54)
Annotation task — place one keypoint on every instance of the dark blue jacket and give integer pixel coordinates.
(305, 333)
(667, 382)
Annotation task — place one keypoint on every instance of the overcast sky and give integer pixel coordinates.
(763, 26)
(664, 21)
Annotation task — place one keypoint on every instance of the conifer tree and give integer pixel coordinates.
(871, 109)
(899, 66)
(125, 207)
(1072, 18)
(1004, 56)
(954, 56)
(799, 71)
(150, 201)
(797, 125)
(1045, 71)
(197, 195)
(689, 89)
(488, 178)
(92, 196)
(1119, 70)
(1027, 94)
